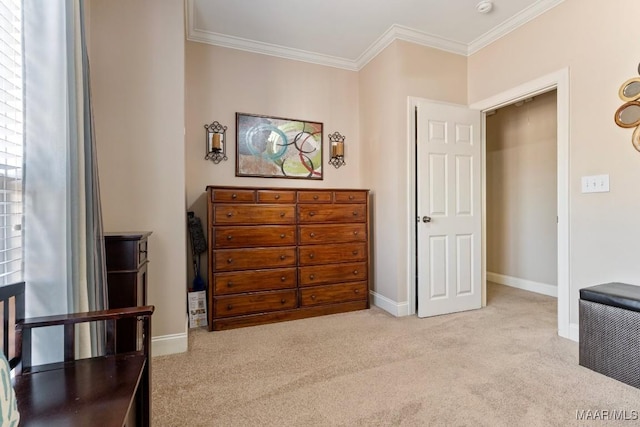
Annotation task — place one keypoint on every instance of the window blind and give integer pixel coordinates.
(11, 141)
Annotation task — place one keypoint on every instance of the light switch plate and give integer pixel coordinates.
(595, 184)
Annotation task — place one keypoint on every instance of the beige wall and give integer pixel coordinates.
(599, 44)
(401, 70)
(137, 65)
(521, 190)
(221, 82)
(138, 77)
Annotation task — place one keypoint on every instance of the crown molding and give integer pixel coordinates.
(398, 32)
(395, 32)
(269, 49)
(511, 24)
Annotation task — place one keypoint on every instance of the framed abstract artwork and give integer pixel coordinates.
(275, 147)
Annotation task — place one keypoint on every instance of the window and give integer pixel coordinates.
(11, 141)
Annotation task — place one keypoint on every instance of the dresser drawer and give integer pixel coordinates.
(332, 213)
(256, 280)
(332, 294)
(334, 273)
(254, 214)
(276, 196)
(232, 195)
(313, 234)
(250, 259)
(350, 196)
(260, 235)
(314, 197)
(329, 254)
(258, 302)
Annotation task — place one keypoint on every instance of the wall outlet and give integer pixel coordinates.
(595, 184)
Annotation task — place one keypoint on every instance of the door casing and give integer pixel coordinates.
(558, 80)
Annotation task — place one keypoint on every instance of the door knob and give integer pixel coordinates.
(426, 219)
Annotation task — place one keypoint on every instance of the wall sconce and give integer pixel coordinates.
(337, 150)
(216, 142)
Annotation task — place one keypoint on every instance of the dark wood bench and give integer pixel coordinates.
(110, 390)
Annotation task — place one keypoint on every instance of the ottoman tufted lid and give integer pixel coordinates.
(615, 294)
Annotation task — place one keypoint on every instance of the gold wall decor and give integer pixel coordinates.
(628, 115)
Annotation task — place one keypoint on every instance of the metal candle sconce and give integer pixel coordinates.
(216, 142)
(337, 150)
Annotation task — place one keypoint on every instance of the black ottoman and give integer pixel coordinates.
(610, 331)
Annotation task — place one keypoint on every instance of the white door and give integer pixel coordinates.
(449, 208)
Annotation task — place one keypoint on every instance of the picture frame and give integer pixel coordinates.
(276, 147)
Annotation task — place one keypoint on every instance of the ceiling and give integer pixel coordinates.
(349, 33)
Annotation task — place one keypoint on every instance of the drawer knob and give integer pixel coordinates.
(282, 301)
(355, 252)
(281, 214)
(355, 213)
(357, 291)
(229, 260)
(311, 276)
(229, 284)
(312, 234)
(355, 233)
(315, 197)
(312, 213)
(229, 214)
(282, 257)
(282, 236)
(229, 237)
(277, 196)
(311, 255)
(234, 196)
(229, 307)
(313, 297)
(283, 278)
(355, 271)
(351, 197)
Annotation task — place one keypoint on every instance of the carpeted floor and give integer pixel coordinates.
(503, 365)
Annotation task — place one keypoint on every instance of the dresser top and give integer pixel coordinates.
(239, 187)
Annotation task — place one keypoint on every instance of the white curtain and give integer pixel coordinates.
(63, 244)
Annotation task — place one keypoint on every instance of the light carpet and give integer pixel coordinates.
(503, 365)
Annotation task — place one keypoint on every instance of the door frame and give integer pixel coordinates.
(558, 80)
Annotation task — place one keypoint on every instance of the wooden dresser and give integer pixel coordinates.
(284, 254)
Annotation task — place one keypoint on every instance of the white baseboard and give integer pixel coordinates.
(394, 308)
(574, 332)
(170, 344)
(526, 285)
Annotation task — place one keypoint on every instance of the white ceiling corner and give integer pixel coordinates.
(394, 32)
(511, 24)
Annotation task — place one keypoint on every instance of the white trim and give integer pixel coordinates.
(388, 305)
(574, 332)
(483, 210)
(525, 285)
(410, 167)
(395, 32)
(511, 24)
(560, 81)
(232, 42)
(399, 32)
(170, 344)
